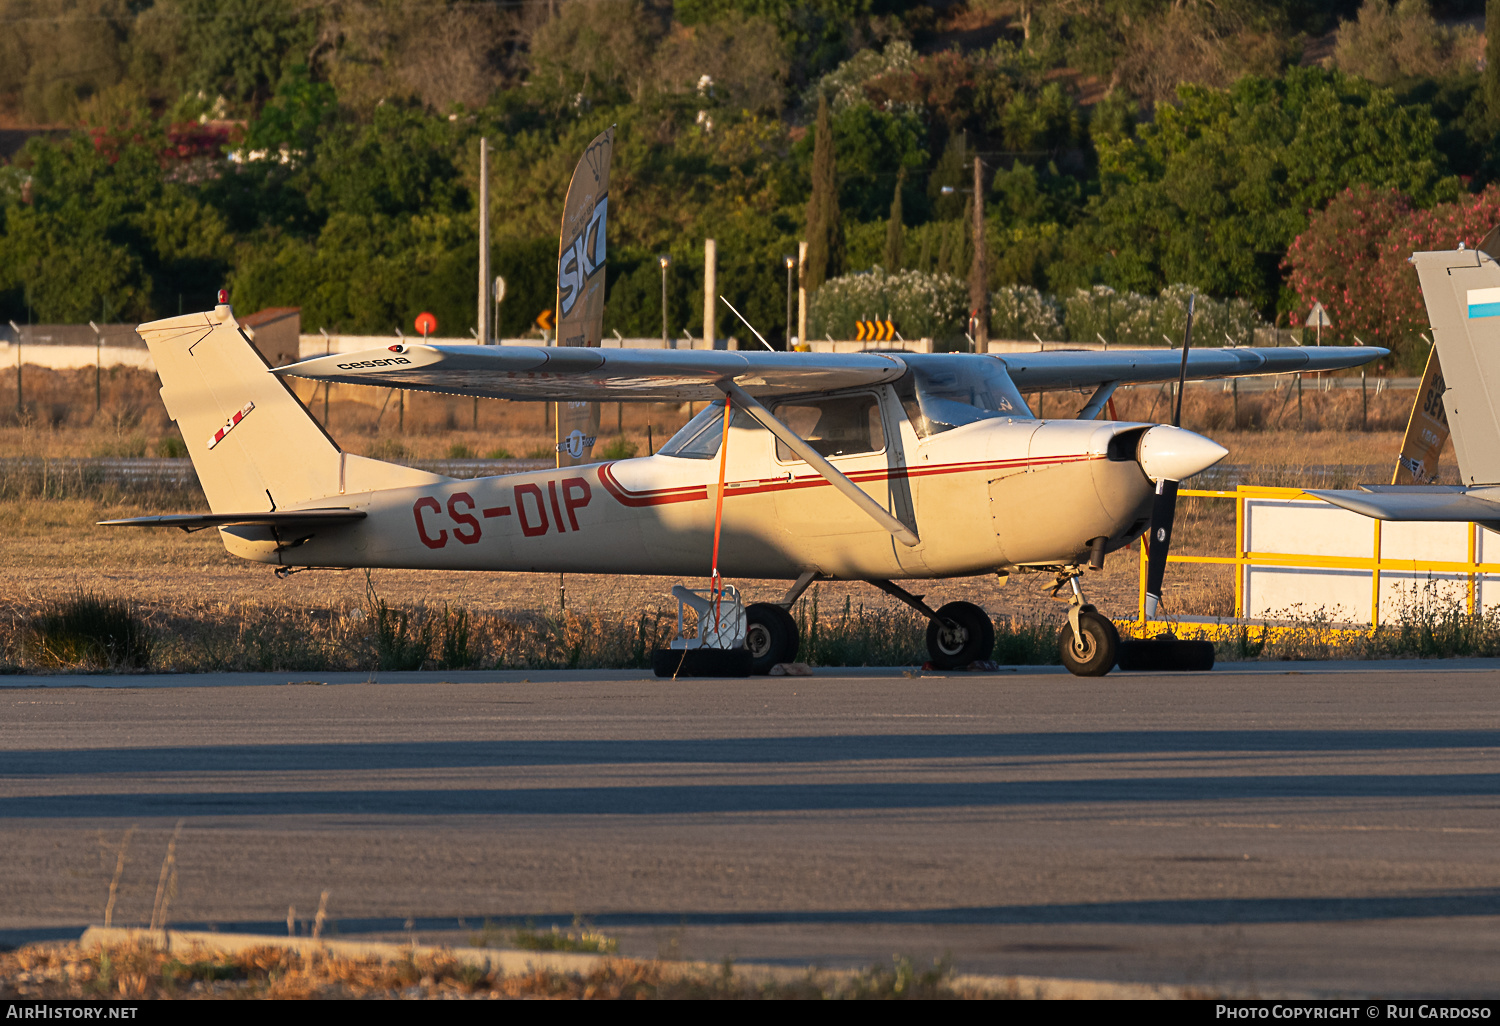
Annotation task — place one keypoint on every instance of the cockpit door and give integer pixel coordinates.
(850, 431)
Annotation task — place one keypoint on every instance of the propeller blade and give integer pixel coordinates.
(1159, 542)
(1164, 508)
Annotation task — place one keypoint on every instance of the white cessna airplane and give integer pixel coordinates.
(878, 467)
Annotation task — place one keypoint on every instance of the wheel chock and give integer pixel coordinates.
(701, 662)
(1166, 654)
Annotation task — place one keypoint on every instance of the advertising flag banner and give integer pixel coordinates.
(580, 287)
(1427, 429)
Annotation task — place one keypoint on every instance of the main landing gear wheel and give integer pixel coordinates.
(962, 634)
(771, 636)
(1097, 654)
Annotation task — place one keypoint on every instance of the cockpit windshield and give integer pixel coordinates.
(943, 393)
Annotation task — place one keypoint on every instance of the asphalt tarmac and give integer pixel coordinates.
(1267, 828)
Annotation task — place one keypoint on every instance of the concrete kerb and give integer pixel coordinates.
(562, 677)
(513, 961)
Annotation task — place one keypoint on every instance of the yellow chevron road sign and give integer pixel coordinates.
(874, 331)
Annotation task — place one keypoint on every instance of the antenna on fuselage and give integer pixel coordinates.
(741, 316)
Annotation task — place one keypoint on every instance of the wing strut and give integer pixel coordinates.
(830, 473)
(1097, 400)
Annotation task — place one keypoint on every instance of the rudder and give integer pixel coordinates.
(1462, 291)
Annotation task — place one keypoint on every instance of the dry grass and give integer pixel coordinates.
(67, 971)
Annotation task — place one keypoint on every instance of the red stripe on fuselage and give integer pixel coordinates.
(655, 497)
(690, 493)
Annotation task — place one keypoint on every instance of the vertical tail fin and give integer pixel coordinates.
(254, 445)
(1462, 290)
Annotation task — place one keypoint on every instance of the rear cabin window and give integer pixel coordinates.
(845, 425)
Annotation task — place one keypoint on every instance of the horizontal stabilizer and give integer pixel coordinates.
(1419, 503)
(278, 518)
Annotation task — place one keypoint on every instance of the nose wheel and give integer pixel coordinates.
(1095, 648)
(1089, 643)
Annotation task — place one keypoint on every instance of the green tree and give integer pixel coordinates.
(895, 230)
(237, 49)
(1214, 190)
(1492, 56)
(825, 230)
(403, 161)
(292, 120)
(102, 225)
(952, 172)
(873, 147)
(1390, 41)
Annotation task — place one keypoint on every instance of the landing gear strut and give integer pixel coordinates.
(1089, 644)
(958, 634)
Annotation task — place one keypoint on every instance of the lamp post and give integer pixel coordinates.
(665, 261)
(790, 262)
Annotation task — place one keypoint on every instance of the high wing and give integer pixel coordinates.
(1084, 369)
(655, 375)
(555, 373)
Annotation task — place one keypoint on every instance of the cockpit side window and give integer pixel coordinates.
(700, 437)
(844, 425)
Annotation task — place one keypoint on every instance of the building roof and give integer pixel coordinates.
(269, 314)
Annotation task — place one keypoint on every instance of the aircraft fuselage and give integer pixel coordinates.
(984, 496)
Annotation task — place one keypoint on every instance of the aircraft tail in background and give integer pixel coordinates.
(1461, 288)
(1462, 291)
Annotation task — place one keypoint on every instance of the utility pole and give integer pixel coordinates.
(98, 366)
(791, 263)
(484, 242)
(979, 275)
(710, 292)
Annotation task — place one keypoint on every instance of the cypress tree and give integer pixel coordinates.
(1492, 57)
(951, 170)
(895, 231)
(825, 228)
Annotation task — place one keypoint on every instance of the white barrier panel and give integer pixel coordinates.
(1310, 527)
(75, 357)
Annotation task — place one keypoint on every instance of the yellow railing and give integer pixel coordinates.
(1374, 563)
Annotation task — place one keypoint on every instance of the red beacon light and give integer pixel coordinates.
(223, 297)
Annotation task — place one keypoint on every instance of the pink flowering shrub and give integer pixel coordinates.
(1353, 259)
